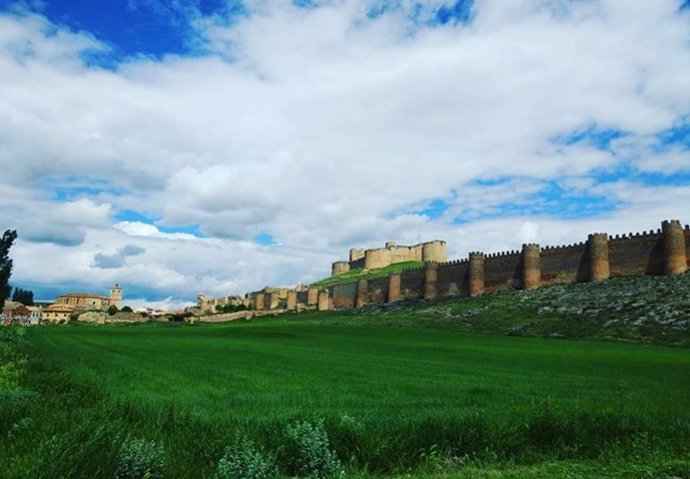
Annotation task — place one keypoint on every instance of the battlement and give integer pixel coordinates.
(662, 251)
(392, 253)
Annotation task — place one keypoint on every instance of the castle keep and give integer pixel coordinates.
(665, 251)
(432, 251)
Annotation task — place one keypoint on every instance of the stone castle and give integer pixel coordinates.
(432, 251)
(665, 251)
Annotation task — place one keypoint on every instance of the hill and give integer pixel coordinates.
(357, 274)
(654, 309)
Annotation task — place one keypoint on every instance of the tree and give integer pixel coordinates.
(6, 242)
(112, 310)
(126, 309)
(24, 296)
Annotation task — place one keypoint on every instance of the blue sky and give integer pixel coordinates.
(220, 146)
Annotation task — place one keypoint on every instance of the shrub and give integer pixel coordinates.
(245, 461)
(310, 455)
(112, 309)
(138, 459)
(126, 309)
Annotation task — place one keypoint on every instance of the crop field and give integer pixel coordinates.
(393, 401)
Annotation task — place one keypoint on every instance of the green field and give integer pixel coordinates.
(395, 400)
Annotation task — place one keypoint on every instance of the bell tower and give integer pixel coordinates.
(116, 296)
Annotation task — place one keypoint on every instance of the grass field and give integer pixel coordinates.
(395, 400)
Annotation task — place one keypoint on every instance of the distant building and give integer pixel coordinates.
(14, 313)
(57, 313)
(92, 301)
(35, 315)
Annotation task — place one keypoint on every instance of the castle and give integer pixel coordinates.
(432, 251)
(665, 251)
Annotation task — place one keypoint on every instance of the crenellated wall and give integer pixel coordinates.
(502, 271)
(656, 252)
(431, 251)
(564, 264)
(663, 251)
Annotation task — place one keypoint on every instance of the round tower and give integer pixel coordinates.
(116, 296)
(675, 261)
(434, 251)
(476, 274)
(531, 273)
(598, 257)
(340, 267)
(377, 258)
(430, 280)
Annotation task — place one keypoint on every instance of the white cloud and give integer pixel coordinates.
(324, 124)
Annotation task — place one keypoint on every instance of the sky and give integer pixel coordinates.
(183, 147)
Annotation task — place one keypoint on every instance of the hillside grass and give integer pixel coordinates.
(356, 274)
(398, 399)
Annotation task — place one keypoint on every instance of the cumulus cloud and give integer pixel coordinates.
(330, 127)
(116, 260)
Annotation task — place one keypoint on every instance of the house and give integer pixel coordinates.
(14, 313)
(57, 313)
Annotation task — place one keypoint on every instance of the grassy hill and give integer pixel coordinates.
(357, 274)
(651, 309)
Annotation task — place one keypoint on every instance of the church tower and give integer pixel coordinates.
(116, 296)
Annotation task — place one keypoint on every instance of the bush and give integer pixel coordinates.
(127, 309)
(138, 459)
(112, 309)
(245, 461)
(309, 451)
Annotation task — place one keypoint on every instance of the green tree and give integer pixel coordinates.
(112, 310)
(24, 296)
(6, 242)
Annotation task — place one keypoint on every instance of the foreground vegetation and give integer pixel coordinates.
(408, 390)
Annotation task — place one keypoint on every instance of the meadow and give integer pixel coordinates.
(393, 397)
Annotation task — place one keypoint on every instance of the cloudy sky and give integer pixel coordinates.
(218, 146)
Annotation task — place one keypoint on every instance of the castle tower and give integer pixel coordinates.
(434, 251)
(362, 291)
(394, 281)
(675, 261)
(476, 274)
(598, 257)
(531, 273)
(340, 267)
(430, 280)
(116, 296)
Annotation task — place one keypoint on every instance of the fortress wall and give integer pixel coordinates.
(412, 283)
(378, 290)
(402, 254)
(343, 295)
(302, 297)
(453, 278)
(687, 244)
(502, 271)
(636, 254)
(357, 264)
(564, 264)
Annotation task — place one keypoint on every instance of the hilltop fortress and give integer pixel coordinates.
(665, 251)
(432, 251)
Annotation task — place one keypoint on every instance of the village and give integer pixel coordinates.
(89, 307)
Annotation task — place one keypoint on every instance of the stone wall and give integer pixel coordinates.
(564, 264)
(376, 258)
(636, 254)
(664, 251)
